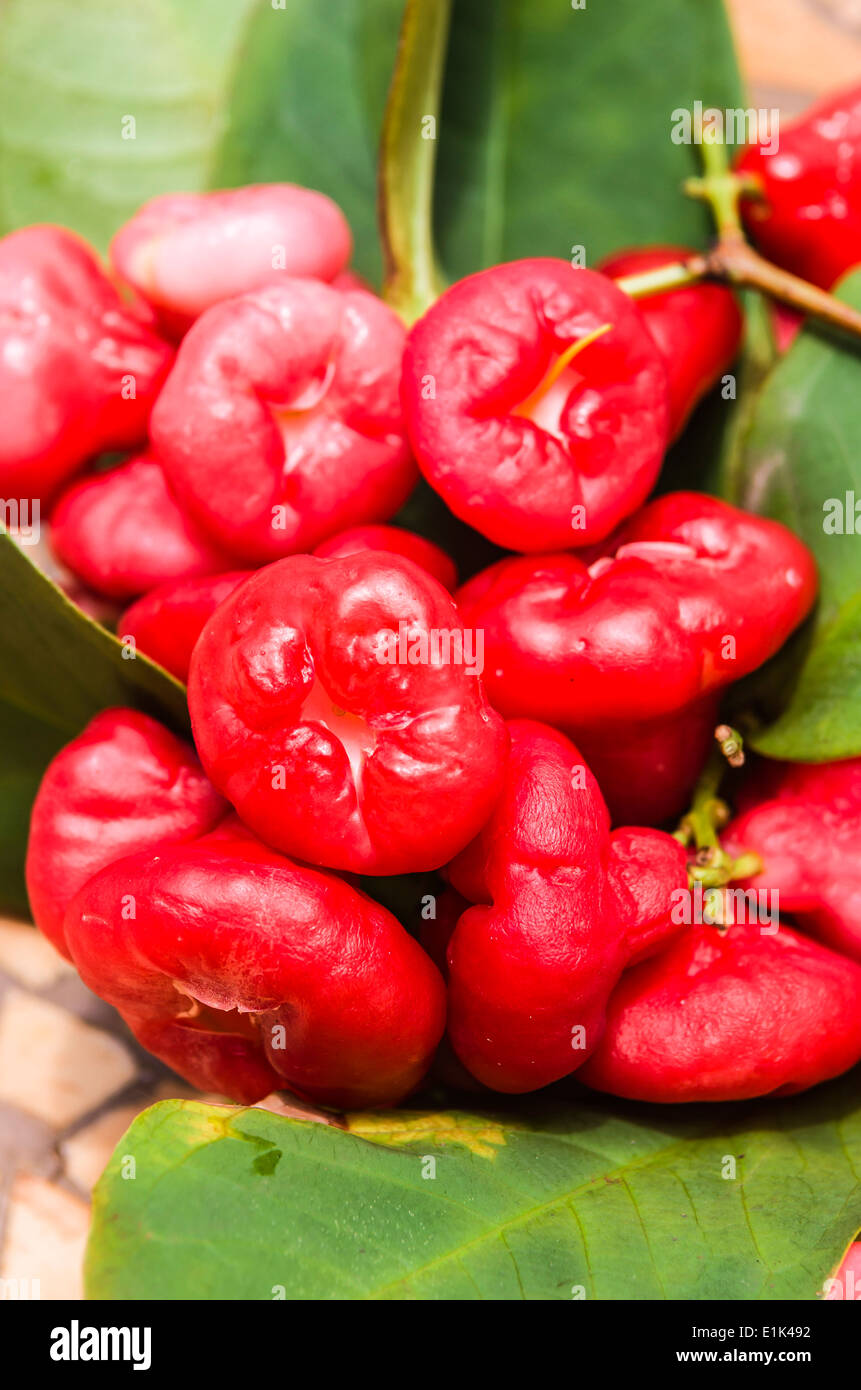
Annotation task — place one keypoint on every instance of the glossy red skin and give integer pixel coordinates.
(697, 329)
(435, 934)
(627, 655)
(123, 532)
(809, 220)
(166, 622)
(69, 347)
(729, 1017)
(803, 820)
(230, 941)
(326, 365)
(570, 907)
(429, 749)
(392, 540)
(125, 784)
(184, 252)
(204, 939)
(648, 770)
(487, 343)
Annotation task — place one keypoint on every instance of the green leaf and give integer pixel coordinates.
(556, 126)
(57, 670)
(27, 745)
(222, 92)
(623, 1201)
(801, 465)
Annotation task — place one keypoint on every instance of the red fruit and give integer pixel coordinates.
(803, 820)
(79, 369)
(280, 423)
(330, 703)
(728, 1017)
(393, 541)
(570, 906)
(808, 219)
(166, 622)
(239, 969)
(184, 252)
(697, 329)
(124, 784)
(531, 459)
(245, 972)
(122, 533)
(629, 655)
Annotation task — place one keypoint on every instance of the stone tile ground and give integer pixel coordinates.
(72, 1079)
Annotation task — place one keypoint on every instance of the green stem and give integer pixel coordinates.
(720, 188)
(700, 828)
(408, 157)
(673, 276)
(733, 262)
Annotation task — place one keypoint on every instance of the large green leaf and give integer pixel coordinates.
(800, 458)
(556, 126)
(556, 122)
(57, 670)
(221, 91)
(549, 1199)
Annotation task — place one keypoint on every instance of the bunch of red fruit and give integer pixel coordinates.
(356, 713)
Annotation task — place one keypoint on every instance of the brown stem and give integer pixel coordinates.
(736, 263)
(733, 262)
